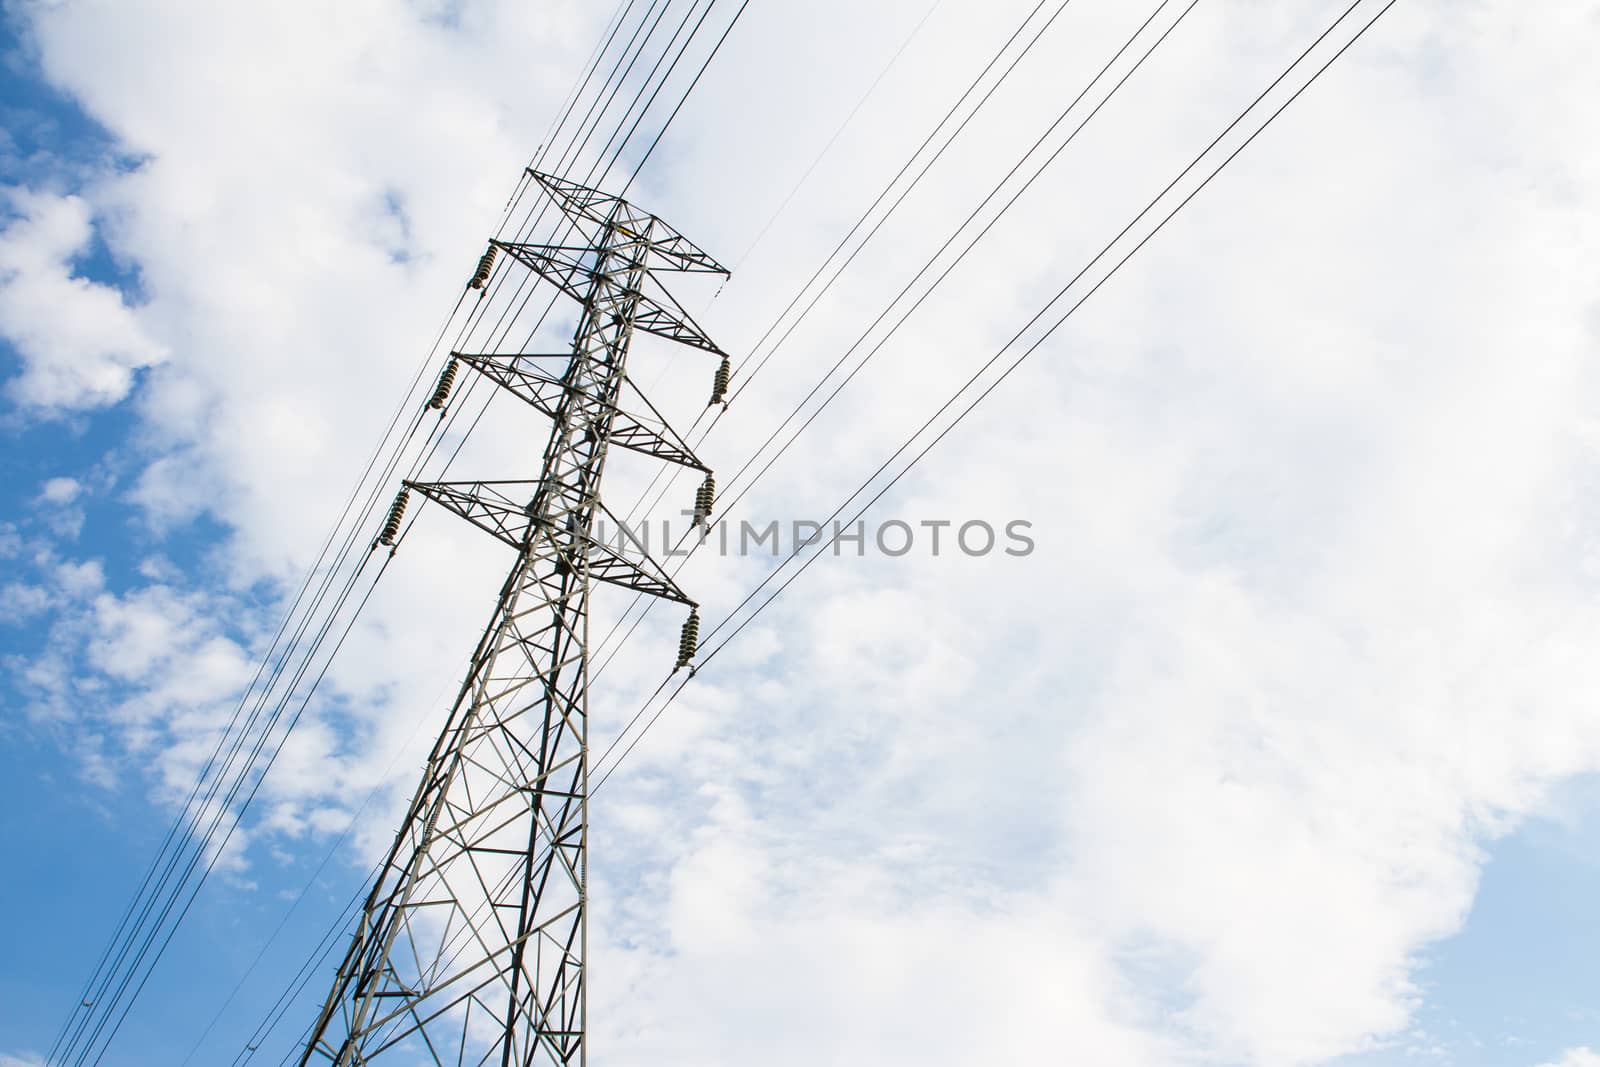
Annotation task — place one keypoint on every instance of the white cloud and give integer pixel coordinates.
(1577, 1057)
(1205, 777)
(60, 490)
(79, 342)
(82, 578)
(20, 602)
(172, 490)
(58, 513)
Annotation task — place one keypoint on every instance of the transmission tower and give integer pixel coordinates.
(472, 944)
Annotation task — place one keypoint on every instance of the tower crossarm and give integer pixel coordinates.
(571, 269)
(670, 249)
(639, 428)
(608, 552)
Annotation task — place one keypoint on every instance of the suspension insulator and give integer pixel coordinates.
(485, 265)
(391, 525)
(705, 498)
(719, 384)
(447, 378)
(689, 640)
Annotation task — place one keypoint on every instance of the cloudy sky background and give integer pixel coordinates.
(1278, 750)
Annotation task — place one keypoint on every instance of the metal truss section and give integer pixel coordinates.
(572, 270)
(645, 431)
(622, 559)
(472, 945)
(671, 249)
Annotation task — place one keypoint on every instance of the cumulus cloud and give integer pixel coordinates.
(1577, 1057)
(79, 341)
(20, 602)
(79, 579)
(56, 498)
(1204, 777)
(60, 490)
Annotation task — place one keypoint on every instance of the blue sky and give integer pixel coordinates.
(86, 847)
(1526, 956)
(1373, 626)
(1510, 988)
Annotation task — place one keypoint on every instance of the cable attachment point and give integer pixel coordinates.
(705, 498)
(447, 378)
(391, 525)
(719, 384)
(485, 265)
(689, 640)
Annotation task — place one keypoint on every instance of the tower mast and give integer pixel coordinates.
(471, 947)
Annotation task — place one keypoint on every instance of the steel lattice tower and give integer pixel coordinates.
(471, 947)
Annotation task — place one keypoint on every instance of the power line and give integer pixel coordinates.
(743, 379)
(1032, 347)
(837, 133)
(999, 186)
(505, 786)
(605, 774)
(266, 732)
(636, 123)
(216, 855)
(240, 738)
